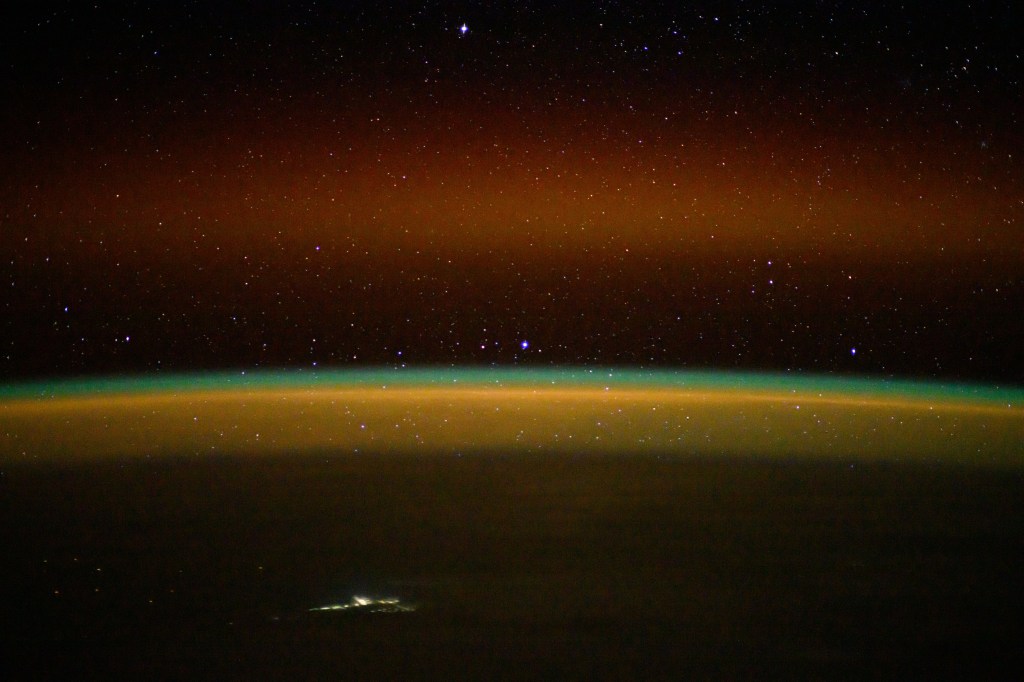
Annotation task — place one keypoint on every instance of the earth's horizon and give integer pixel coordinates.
(620, 410)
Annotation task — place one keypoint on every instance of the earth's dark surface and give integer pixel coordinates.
(532, 567)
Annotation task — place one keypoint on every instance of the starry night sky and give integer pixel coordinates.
(805, 186)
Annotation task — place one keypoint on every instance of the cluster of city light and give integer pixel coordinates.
(369, 605)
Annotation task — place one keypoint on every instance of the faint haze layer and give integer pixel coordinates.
(574, 413)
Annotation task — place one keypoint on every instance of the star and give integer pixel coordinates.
(463, 29)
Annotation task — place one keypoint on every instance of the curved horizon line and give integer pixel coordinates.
(512, 377)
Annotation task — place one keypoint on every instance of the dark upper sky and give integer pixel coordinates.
(806, 186)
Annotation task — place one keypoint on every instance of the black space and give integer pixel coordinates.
(200, 185)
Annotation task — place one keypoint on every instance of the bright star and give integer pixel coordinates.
(524, 345)
(463, 29)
